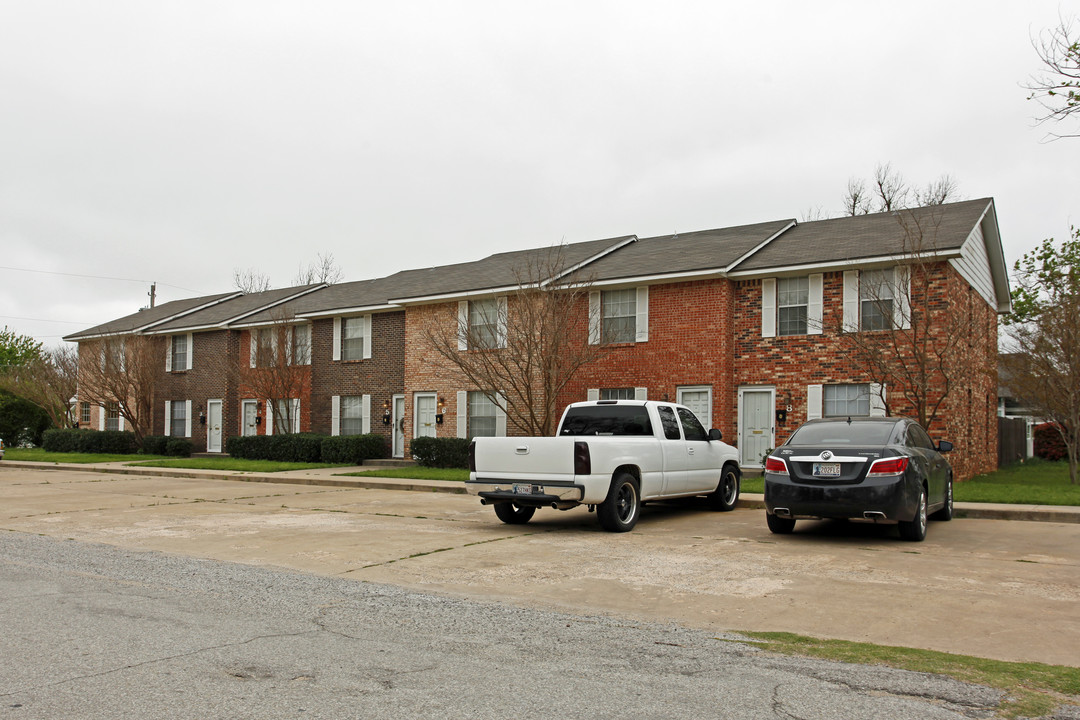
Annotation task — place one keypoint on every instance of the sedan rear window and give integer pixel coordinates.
(607, 420)
(843, 433)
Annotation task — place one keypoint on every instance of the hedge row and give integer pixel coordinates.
(306, 447)
(164, 445)
(112, 442)
(441, 452)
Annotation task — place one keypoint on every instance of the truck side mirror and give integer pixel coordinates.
(715, 434)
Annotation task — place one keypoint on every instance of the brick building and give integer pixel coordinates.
(756, 328)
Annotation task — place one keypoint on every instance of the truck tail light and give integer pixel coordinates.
(582, 459)
(776, 466)
(890, 466)
(472, 456)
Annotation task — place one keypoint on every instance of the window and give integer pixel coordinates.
(179, 352)
(792, 298)
(286, 416)
(266, 347)
(876, 300)
(692, 427)
(617, 394)
(84, 412)
(610, 420)
(352, 415)
(352, 338)
(301, 345)
(846, 401)
(178, 421)
(618, 316)
(483, 324)
(670, 423)
(482, 413)
(112, 416)
(917, 438)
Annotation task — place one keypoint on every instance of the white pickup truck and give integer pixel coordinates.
(612, 455)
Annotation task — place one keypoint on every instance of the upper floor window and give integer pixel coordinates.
(179, 357)
(876, 299)
(352, 338)
(482, 324)
(792, 297)
(301, 344)
(619, 316)
(265, 347)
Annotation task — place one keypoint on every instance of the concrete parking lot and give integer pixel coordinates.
(991, 588)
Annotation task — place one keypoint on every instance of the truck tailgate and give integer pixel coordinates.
(530, 459)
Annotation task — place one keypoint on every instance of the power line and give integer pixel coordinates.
(66, 322)
(95, 277)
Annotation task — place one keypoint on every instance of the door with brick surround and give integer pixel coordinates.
(424, 415)
(213, 426)
(250, 410)
(755, 425)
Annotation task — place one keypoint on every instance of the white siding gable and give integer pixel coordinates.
(974, 265)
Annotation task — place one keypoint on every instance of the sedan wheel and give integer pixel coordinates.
(779, 525)
(946, 513)
(915, 530)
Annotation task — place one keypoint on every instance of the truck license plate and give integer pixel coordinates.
(826, 469)
(523, 489)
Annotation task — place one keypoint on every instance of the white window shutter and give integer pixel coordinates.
(462, 414)
(120, 420)
(295, 403)
(168, 418)
(463, 326)
(337, 338)
(168, 355)
(813, 401)
(902, 298)
(101, 420)
(335, 415)
(187, 420)
(851, 300)
(501, 321)
(123, 358)
(641, 393)
(500, 415)
(269, 417)
(367, 338)
(877, 400)
(815, 316)
(190, 354)
(592, 394)
(365, 414)
(288, 345)
(768, 307)
(642, 314)
(253, 346)
(594, 318)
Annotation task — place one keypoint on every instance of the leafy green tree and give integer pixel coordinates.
(16, 350)
(1057, 87)
(1044, 331)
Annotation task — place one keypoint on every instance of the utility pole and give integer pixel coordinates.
(153, 293)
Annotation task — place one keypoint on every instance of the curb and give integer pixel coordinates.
(748, 501)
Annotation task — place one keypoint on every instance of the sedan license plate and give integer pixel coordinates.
(523, 489)
(826, 469)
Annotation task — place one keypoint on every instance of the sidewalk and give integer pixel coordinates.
(332, 477)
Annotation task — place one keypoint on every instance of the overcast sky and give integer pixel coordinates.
(176, 141)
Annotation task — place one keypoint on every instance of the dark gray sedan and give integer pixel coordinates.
(884, 470)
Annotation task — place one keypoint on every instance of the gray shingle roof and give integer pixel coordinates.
(944, 227)
(230, 310)
(143, 318)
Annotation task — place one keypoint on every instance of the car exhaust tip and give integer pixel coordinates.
(483, 501)
(874, 515)
(782, 512)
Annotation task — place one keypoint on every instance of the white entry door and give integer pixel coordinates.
(399, 426)
(699, 399)
(213, 426)
(424, 415)
(755, 425)
(250, 412)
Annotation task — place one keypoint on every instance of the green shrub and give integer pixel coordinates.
(1048, 442)
(290, 447)
(441, 452)
(353, 449)
(249, 447)
(177, 447)
(155, 444)
(111, 442)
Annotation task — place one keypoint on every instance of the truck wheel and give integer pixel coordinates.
(620, 511)
(511, 514)
(726, 494)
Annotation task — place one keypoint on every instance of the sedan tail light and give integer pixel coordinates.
(776, 465)
(890, 466)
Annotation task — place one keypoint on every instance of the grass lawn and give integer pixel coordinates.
(1035, 482)
(234, 464)
(39, 455)
(416, 473)
(1032, 689)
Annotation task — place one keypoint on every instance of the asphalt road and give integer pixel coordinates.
(92, 631)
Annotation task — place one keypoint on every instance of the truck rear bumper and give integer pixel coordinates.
(525, 494)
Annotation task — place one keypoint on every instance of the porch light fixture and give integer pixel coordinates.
(439, 414)
(386, 412)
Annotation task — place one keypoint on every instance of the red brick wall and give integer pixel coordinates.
(214, 353)
(241, 369)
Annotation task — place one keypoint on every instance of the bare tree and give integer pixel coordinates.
(910, 337)
(521, 350)
(324, 269)
(814, 213)
(126, 370)
(1044, 334)
(277, 369)
(1057, 87)
(49, 380)
(889, 191)
(250, 280)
